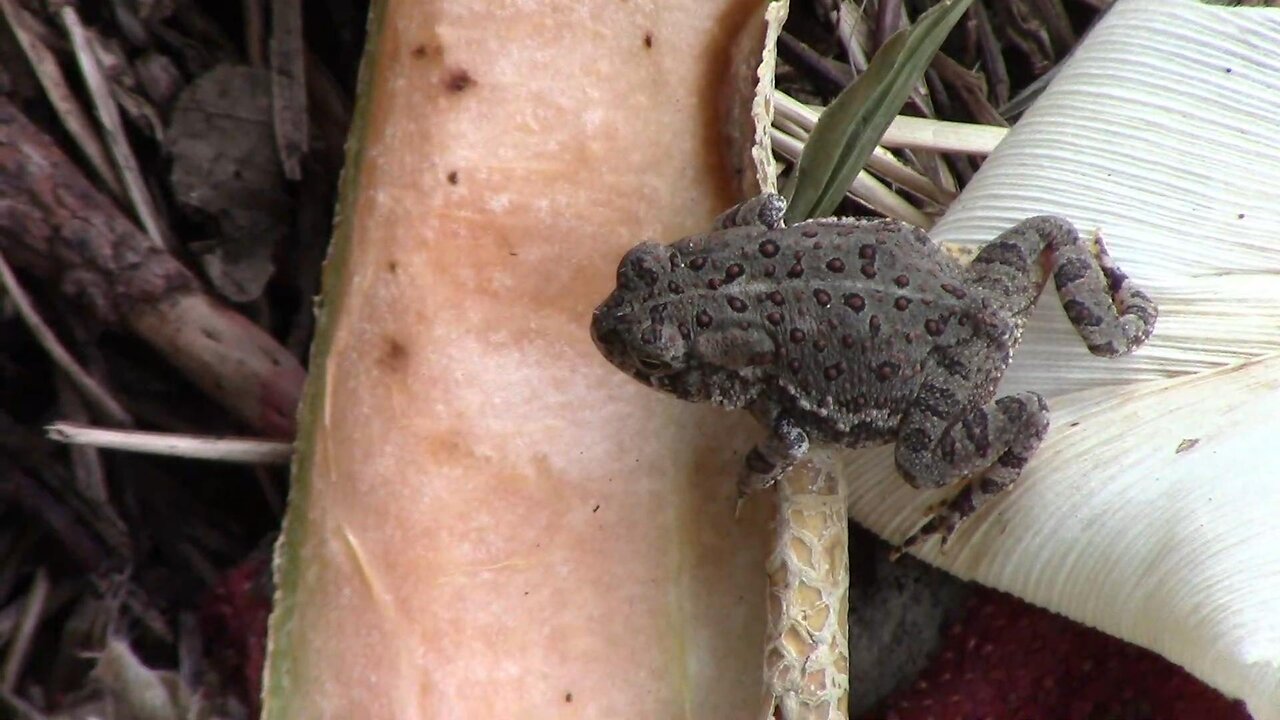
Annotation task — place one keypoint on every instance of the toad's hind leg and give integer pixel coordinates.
(942, 439)
(765, 210)
(1111, 314)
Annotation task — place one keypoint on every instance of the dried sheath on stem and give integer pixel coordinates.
(806, 655)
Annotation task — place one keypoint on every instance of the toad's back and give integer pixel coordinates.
(840, 316)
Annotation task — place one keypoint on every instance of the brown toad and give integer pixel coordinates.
(860, 332)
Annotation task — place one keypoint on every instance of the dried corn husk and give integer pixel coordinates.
(1150, 511)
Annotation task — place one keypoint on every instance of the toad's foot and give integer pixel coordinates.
(1013, 426)
(771, 458)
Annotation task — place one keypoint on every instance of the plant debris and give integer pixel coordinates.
(157, 174)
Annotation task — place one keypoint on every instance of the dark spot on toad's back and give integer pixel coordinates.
(887, 370)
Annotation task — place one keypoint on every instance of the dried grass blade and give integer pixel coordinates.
(109, 115)
(289, 85)
(73, 117)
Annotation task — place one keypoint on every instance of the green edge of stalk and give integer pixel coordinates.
(279, 668)
(849, 129)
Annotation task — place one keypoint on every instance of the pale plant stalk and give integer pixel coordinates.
(806, 657)
(195, 447)
(907, 131)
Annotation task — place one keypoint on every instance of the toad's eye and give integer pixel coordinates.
(652, 365)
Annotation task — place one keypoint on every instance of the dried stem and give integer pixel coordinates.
(806, 655)
(55, 225)
(26, 630)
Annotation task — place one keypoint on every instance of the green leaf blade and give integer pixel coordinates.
(849, 129)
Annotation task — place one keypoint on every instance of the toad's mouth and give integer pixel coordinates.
(608, 325)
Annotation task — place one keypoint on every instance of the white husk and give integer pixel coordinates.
(1152, 511)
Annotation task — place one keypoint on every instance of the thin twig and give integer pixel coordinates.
(21, 709)
(854, 32)
(109, 116)
(289, 85)
(253, 32)
(199, 447)
(89, 477)
(93, 392)
(26, 631)
(969, 86)
(833, 71)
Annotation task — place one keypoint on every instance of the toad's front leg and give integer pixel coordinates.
(772, 457)
(765, 211)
